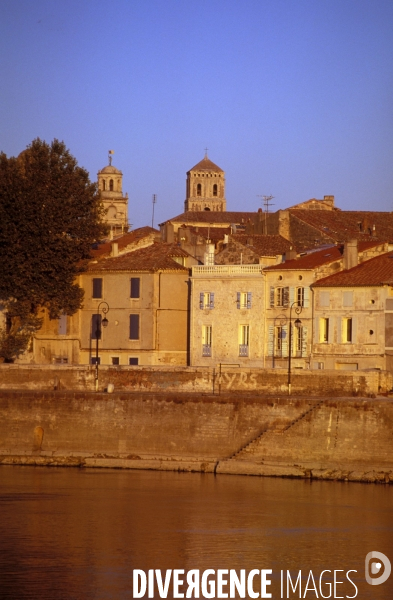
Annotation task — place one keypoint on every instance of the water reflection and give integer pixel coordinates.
(77, 534)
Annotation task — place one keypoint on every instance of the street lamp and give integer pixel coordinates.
(104, 322)
(298, 309)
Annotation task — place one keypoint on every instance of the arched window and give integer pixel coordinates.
(103, 184)
(215, 189)
(111, 185)
(206, 208)
(199, 190)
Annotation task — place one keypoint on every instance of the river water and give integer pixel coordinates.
(78, 534)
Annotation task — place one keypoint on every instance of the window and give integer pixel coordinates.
(299, 340)
(280, 340)
(243, 300)
(324, 330)
(282, 296)
(97, 287)
(347, 330)
(103, 184)
(135, 287)
(347, 298)
(96, 327)
(244, 339)
(115, 360)
(215, 189)
(206, 300)
(95, 360)
(133, 361)
(62, 329)
(111, 185)
(134, 327)
(199, 189)
(300, 296)
(206, 340)
(324, 298)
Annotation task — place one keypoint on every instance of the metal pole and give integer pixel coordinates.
(289, 350)
(97, 334)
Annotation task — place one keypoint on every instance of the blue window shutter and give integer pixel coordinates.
(306, 297)
(270, 340)
(134, 327)
(285, 337)
(201, 298)
(211, 299)
(238, 299)
(304, 341)
(248, 299)
(271, 296)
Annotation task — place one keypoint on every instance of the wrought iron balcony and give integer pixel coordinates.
(206, 350)
(243, 350)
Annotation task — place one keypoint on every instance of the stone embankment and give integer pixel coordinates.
(243, 433)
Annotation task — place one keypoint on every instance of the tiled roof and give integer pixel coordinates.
(206, 165)
(264, 245)
(213, 233)
(124, 240)
(157, 257)
(373, 272)
(209, 216)
(342, 225)
(312, 260)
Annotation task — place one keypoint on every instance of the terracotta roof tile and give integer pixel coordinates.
(342, 225)
(206, 165)
(264, 245)
(313, 260)
(157, 257)
(209, 216)
(374, 272)
(132, 237)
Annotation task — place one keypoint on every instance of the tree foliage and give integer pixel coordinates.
(50, 215)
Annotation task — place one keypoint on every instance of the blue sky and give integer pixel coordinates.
(292, 98)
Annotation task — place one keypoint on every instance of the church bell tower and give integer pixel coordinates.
(205, 187)
(110, 183)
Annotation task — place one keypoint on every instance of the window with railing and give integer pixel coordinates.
(244, 340)
(206, 340)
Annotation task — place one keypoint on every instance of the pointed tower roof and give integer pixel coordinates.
(206, 165)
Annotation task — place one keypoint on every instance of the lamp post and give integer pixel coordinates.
(104, 322)
(298, 309)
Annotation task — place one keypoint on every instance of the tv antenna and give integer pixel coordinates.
(267, 203)
(154, 201)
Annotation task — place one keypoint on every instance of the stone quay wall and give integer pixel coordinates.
(220, 379)
(326, 438)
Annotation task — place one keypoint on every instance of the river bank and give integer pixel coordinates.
(346, 439)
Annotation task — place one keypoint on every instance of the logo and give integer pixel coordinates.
(377, 559)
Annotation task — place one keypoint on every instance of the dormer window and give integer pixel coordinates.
(111, 185)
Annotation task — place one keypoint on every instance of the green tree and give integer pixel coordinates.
(50, 215)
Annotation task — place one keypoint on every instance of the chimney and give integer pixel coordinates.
(115, 249)
(350, 254)
(290, 254)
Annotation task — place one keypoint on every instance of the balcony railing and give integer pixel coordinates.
(227, 270)
(206, 350)
(243, 350)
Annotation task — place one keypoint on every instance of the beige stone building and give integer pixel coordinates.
(143, 294)
(110, 184)
(289, 299)
(353, 317)
(227, 302)
(205, 187)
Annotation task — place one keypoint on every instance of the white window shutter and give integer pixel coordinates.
(285, 339)
(291, 295)
(270, 340)
(306, 297)
(271, 296)
(304, 341)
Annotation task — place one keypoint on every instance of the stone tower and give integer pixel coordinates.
(205, 187)
(110, 183)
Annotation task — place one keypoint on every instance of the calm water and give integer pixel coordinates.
(77, 534)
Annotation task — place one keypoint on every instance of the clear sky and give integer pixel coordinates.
(292, 98)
